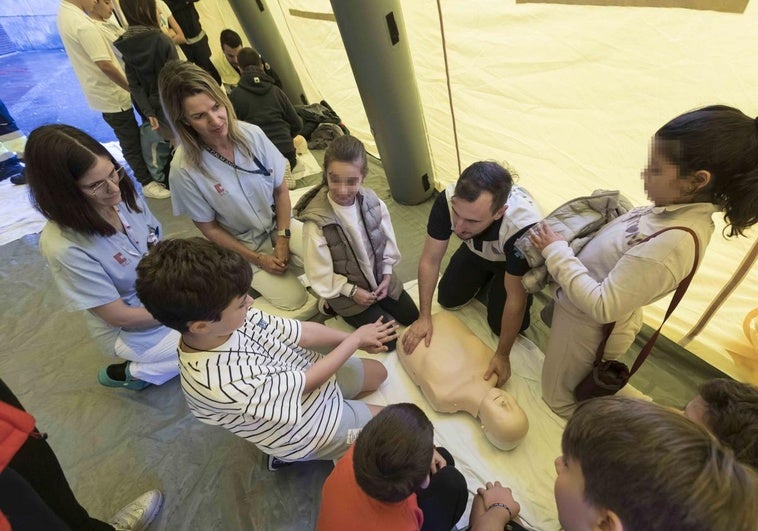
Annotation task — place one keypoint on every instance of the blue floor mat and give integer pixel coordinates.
(40, 87)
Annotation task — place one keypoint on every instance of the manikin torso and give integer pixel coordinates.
(450, 374)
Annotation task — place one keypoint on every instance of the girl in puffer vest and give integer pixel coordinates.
(349, 244)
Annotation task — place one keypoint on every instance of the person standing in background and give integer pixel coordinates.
(170, 27)
(196, 46)
(104, 85)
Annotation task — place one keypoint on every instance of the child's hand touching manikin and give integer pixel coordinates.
(373, 336)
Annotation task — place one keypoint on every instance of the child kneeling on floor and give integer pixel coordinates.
(632, 465)
(394, 478)
(350, 249)
(729, 410)
(253, 373)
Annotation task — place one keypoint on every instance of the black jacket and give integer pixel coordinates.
(145, 51)
(257, 100)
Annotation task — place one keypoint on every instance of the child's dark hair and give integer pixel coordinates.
(346, 148)
(656, 469)
(732, 416)
(393, 453)
(723, 141)
(140, 13)
(185, 280)
(485, 176)
(248, 57)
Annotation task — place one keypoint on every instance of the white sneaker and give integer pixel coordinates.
(137, 515)
(155, 190)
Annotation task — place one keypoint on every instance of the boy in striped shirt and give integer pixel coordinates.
(256, 374)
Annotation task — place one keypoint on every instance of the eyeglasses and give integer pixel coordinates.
(115, 176)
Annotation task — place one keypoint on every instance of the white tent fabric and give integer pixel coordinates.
(569, 96)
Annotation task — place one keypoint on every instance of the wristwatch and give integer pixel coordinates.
(284, 233)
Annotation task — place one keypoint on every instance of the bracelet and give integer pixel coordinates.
(504, 506)
(353, 291)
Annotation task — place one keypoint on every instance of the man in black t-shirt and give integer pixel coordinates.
(487, 212)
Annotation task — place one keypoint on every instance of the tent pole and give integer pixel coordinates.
(377, 47)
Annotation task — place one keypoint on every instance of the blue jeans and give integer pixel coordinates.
(156, 152)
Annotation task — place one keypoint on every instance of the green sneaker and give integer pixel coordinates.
(129, 383)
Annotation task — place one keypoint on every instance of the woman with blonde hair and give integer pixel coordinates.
(228, 177)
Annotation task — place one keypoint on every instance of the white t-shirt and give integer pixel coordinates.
(252, 385)
(85, 44)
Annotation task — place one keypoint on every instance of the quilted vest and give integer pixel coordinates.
(315, 207)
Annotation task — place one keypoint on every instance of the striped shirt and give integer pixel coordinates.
(252, 385)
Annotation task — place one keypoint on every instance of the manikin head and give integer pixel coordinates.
(504, 422)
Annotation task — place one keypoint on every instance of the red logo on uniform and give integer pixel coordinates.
(219, 189)
(118, 257)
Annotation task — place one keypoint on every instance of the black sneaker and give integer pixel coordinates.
(325, 309)
(19, 178)
(274, 463)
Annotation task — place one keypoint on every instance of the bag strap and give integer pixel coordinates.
(681, 289)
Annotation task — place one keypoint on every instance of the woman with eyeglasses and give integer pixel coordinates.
(228, 177)
(98, 229)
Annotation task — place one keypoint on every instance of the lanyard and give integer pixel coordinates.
(260, 171)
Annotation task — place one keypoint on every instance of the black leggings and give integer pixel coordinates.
(36, 465)
(445, 499)
(403, 310)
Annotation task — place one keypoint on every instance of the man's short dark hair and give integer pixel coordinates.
(230, 38)
(656, 469)
(485, 176)
(393, 453)
(184, 280)
(732, 416)
(248, 57)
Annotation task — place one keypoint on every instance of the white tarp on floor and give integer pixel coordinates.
(568, 95)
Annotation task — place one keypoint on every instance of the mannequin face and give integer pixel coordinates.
(503, 421)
